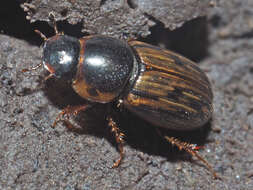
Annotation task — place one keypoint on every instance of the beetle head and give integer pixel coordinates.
(61, 55)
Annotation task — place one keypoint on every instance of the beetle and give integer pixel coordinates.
(160, 86)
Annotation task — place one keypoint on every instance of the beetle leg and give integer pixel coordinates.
(191, 149)
(119, 139)
(67, 112)
(32, 68)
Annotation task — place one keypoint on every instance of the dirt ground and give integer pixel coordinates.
(33, 155)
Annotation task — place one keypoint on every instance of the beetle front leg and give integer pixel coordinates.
(67, 112)
(119, 139)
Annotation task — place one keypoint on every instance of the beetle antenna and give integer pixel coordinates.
(52, 18)
(41, 35)
(33, 68)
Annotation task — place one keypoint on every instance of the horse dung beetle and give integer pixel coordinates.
(160, 86)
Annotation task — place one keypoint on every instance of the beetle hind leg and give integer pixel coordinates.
(191, 149)
(119, 137)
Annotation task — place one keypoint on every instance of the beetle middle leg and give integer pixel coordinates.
(67, 112)
(119, 139)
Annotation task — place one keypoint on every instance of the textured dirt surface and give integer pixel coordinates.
(121, 18)
(35, 156)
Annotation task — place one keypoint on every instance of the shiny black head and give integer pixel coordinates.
(61, 56)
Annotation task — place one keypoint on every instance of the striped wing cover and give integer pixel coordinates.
(171, 91)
